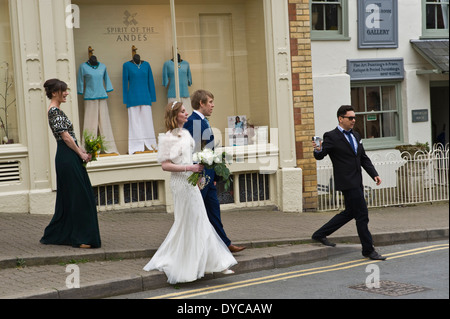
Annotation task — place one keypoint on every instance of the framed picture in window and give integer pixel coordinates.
(237, 130)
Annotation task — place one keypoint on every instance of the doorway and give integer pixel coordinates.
(439, 111)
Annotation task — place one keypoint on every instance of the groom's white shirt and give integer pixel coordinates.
(200, 114)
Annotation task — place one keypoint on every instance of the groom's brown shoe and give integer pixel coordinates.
(235, 249)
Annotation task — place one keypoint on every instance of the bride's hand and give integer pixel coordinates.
(197, 168)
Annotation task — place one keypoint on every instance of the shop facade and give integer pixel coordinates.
(238, 50)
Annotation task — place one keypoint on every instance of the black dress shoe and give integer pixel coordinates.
(375, 256)
(324, 241)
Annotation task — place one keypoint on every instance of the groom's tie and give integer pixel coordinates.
(207, 122)
(350, 139)
(207, 125)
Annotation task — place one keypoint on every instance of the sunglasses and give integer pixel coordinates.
(351, 118)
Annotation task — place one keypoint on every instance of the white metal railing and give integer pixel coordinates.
(406, 179)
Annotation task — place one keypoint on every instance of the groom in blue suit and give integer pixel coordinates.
(203, 103)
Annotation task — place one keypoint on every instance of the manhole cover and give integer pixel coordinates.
(391, 288)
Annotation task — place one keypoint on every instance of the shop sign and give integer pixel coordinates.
(377, 24)
(375, 69)
(130, 30)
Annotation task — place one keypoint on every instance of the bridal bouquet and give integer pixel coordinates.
(211, 160)
(93, 145)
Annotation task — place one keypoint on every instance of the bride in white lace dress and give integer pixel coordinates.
(192, 246)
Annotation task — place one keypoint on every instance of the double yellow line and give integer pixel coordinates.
(296, 274)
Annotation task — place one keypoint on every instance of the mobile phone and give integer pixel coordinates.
(316, 139)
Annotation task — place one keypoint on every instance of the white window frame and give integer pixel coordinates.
(383, 142)
(434, 33)
(329, 35)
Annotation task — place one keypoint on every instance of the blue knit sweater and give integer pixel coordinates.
(93, 78)
(138, 84)
(185, 78)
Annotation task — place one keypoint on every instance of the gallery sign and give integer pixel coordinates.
(377, 24)
(375, 69)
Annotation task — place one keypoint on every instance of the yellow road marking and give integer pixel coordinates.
(297, 273)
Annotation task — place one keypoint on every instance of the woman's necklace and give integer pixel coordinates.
(138, 65)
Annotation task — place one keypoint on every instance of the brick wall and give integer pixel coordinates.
(302, 89)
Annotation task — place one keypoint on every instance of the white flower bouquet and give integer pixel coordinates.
(210, 160)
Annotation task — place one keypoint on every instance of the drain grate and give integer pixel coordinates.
(391, 288)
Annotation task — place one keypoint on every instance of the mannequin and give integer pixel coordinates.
(185, 79)
(93, 82)
(136, 59)
(179, 58)
(93, 61)
(138, 95)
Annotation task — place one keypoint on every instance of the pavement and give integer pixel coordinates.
(273, 239)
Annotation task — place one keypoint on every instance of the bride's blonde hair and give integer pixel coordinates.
(172, 110)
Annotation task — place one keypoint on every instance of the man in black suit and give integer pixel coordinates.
(347, 154)
(198, 126)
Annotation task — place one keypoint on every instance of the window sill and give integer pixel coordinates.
(13, 151)
(434, 36)
(330, 38)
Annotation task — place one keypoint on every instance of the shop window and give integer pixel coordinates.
(435, 18)
(222, 42)
(9, 132)
(377, 113)
(329, 20)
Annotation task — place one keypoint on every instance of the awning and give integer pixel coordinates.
(435, 52)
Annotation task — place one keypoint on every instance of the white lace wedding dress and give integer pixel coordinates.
(192, 246)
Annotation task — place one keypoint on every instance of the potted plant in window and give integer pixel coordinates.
(5, 104)
(412, 176)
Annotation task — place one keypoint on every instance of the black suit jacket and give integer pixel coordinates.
(346, 164)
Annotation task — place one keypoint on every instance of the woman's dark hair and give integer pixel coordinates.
(54, 85)
(344, 109)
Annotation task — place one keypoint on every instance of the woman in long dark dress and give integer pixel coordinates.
(75, 220)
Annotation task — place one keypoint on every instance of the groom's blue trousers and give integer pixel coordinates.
(212, 205)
